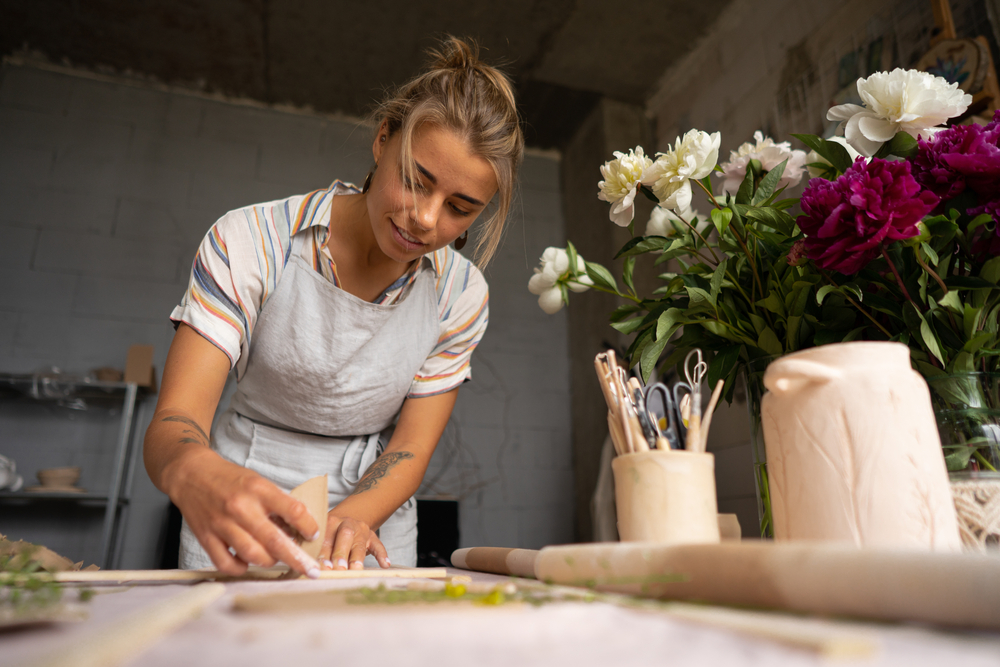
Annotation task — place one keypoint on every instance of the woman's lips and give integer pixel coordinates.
(405, 240)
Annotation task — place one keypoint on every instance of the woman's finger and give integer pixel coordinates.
(377, 549)
(357, 558)
(292, 511)
(224, 561)
(342, 543)
(247, 549)
(283, 548)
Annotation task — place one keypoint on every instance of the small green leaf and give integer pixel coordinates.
(723, 364)
(769, 183)
(768, 341)
(930, 340)
(931, 253)
(991, 271)
(952, 302)
(721, 219)
(823, 292)
(571, 253)
(601, 276)
(717, 279)
(745, 192)
(831, 151)
(902, 145)
(628, 326)
(627, 270)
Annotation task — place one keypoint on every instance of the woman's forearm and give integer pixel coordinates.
(385, 486)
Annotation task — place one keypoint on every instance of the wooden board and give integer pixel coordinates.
(119, 577)
(959, 589)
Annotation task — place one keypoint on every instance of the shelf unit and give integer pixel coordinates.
(75, 393)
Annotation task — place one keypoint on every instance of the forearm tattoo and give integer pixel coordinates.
(196, 432)
(380, 469)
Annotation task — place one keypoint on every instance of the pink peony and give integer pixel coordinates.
(960, 157)
(846, 220)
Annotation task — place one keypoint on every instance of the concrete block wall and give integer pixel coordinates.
(109, 186)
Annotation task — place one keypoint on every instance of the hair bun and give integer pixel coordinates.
(455, 53)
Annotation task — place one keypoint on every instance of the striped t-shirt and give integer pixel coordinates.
(241, 259)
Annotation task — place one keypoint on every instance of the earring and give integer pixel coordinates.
(368, 179)
(462, 240)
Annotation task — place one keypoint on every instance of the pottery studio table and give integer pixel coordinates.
(452, 632)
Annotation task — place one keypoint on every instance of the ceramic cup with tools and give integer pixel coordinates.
(666, 496)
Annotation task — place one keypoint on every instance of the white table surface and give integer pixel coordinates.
(553, 634)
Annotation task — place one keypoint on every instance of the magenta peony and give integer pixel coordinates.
(960, 157)
(845, 220)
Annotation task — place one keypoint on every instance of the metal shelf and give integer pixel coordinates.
(74, 394)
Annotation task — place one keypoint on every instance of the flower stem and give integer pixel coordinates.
(698, 234)
(983, 460)
(928, 269)
(856, 305)
(899, 278)
(715, 202)
(615, 292)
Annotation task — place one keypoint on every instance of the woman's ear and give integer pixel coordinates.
(381, 137)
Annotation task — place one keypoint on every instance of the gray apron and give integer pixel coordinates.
(326, 375)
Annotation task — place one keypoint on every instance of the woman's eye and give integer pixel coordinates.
(459, 211)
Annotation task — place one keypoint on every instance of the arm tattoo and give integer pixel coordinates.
(380, 469)
(188, 422)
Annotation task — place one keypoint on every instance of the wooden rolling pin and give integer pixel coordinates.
(497, 560)
(944, 588)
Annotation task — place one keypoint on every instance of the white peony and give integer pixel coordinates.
(621, 179)
(553, 272)
(770, 155)
(694, 156)
(898, 101)
(813, 157)
(664, 222)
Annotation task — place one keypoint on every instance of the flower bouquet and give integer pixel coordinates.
(895, 237)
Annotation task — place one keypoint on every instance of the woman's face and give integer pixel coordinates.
(450, 188)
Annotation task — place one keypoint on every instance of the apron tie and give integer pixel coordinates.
(360, 455)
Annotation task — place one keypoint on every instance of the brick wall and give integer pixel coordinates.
(108, 187)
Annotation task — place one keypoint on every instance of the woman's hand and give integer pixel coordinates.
(227, 505)
(347, 543)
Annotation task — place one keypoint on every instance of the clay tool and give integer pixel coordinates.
(694, 374)
(313, 494)
(122, 577)
(707, 424)
(669, 437)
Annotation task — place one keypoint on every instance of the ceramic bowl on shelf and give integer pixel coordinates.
(61, 478)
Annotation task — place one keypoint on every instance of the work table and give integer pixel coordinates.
(453, 632)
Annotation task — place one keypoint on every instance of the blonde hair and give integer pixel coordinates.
(459, 92)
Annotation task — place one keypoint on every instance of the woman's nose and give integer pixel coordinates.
(426, 215)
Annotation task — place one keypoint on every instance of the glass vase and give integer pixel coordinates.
(967, 410)
(753, 376)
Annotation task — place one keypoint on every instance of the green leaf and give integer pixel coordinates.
(768, 341)
(977, 221)
(628, 326)
(930, 340)
(721, 219)
(831, 151)
(698, 295)
(668, 321)
(974, 344)
(970, 320)
(968, 282)
(991, 271)
(758, 323)
(647, 362)
(773, 303)
(649, 194)
(717, 279)
(601, 276)
(823, 292)
(772, 217)
(931, 253)
(571, 253)
(902, 145)
(723, 364)
(643, 244)
(746, 188)
(769, 183)
(627, 270)
(958, 458)
(952, 302)
(621, 312)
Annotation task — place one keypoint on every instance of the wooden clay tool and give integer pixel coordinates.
(312, 493)
(122, 577)
(959, 589)
(515, 562)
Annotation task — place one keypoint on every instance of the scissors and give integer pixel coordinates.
(673, 424)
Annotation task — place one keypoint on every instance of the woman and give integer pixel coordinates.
(350, 323)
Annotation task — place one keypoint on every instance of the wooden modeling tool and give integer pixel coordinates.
(313, 494)
(123, 640)
(497, 560)
(707, 423)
